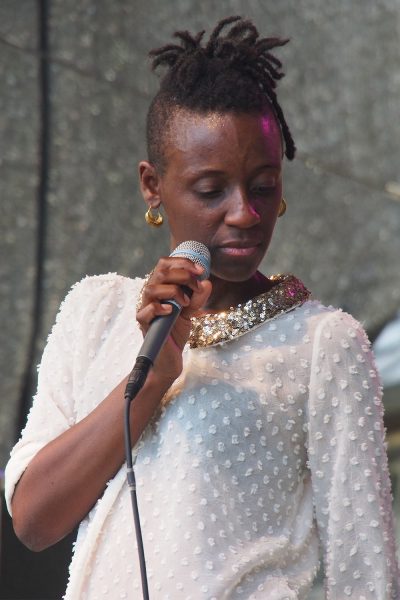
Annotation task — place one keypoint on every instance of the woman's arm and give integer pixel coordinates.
(71, 462)
(66, 477)
(348, 462)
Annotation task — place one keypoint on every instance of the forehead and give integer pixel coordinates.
(223, 137)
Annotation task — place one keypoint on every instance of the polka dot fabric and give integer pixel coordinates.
(266, 447)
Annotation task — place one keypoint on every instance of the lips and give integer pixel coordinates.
(239, 247)
(241, 243)
(239, 251)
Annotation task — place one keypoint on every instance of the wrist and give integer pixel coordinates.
(158, 384)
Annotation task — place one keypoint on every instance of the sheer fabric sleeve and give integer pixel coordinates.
(52, 410)
(348, 463)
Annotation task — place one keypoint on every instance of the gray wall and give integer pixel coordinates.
(341, 98)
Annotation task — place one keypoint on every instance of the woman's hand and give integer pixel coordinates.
(167, 282)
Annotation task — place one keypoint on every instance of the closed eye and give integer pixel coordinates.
(263, 190)
(209, 194)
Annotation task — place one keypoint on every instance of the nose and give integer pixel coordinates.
(240, 212)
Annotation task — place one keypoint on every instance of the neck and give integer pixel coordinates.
(231, 293)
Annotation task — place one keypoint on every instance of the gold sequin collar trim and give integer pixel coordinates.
(214, 328)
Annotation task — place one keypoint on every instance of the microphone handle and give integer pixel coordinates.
(155, 338)
(158, 332)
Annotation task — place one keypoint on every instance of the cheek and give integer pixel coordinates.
(269, 210)
(269, 219)
(278, 194)
(195, 224)
(276, 199)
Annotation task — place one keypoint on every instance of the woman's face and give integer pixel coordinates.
(222, 186)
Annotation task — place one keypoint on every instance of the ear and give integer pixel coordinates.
(149, 184)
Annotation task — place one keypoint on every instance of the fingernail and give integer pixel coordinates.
(186, 297)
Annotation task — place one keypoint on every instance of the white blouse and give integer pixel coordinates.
(269, 446)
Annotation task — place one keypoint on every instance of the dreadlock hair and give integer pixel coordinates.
(233, 72)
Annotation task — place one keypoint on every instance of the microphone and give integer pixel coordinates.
(161, 326)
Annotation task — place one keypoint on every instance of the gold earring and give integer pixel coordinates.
(282, 207)
(155, 220)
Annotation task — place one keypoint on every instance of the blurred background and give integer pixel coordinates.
(75, 87)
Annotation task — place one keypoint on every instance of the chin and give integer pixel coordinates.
(234, 275)
(236, 270)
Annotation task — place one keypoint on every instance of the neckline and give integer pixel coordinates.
(211, 329)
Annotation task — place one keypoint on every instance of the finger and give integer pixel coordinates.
(167, 263)
(177, 275)
(159, 293)
(199, 298)
(146, 314)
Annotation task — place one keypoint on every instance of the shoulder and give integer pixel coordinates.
(93, 289)
(338, 325)
(319, 323)
(331, 329)
(107, 283)
(298, 302)
(329, 319)
(312, 314)
(95, 298)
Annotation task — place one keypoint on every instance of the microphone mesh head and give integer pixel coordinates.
(197, 253)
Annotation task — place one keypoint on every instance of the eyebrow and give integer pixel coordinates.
(268, 167)
(212, 172)
(203, 172)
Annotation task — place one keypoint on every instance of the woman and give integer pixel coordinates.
(266, 434)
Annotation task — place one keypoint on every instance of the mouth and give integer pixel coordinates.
(239, 248)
